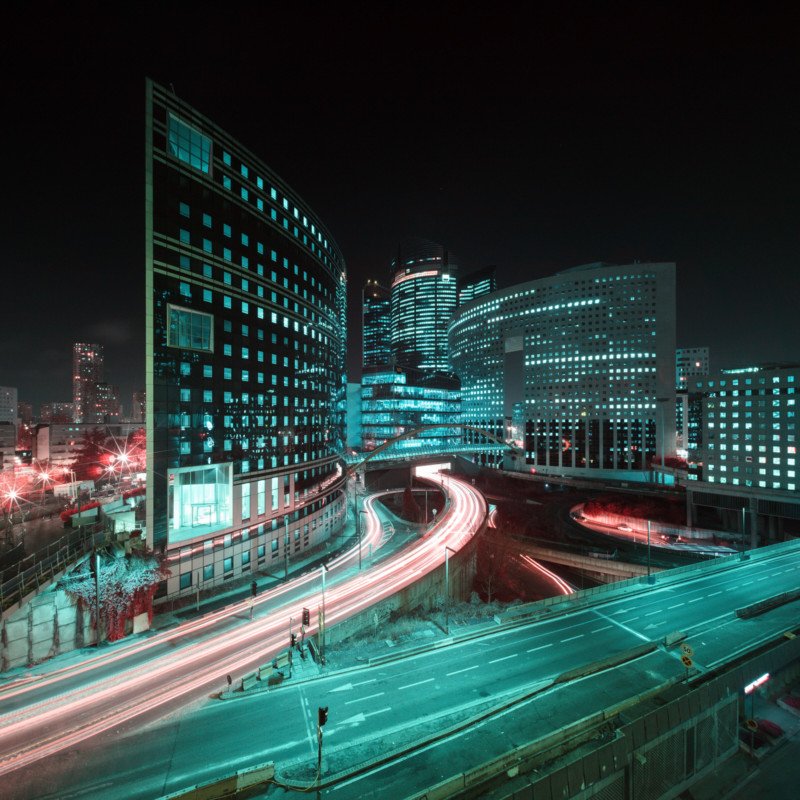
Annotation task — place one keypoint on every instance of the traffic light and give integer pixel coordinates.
(306, 617)
(322, 715)
(292, 639)
(254, 588)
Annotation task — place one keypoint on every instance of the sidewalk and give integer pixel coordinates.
(774, 774)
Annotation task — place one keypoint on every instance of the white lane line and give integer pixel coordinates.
(369, 697)
(418, 683)
(579, 636)
(459, 671)
(540, 647)
(650, 613)
(604, 628)
(714, 593)
(504, 658)
(773, 574)
(746, 583)
(626, 621)
(621, 625)
(791, 569)
(766, 577)
(364, 683)
(379, 711)
(697, 599)
(677, 605)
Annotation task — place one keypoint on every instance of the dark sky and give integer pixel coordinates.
(536, 143)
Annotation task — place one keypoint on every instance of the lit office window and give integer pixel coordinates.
(188, 144)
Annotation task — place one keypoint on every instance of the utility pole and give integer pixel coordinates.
(322, 622)
(649, 579)
(96, 560)
(447, 551)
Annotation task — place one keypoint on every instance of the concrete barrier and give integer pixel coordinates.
(761, 607)
(228, 786)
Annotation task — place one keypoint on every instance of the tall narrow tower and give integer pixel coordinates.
(87, 373)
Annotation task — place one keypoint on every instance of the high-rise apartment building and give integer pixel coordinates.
(690, 363)
(245, 356)
(424, 294)
(377, 325)
(589, 352)
(107, 403)
(138, 406)
(87, 373)
(9, 406)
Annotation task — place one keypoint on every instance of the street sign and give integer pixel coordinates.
(687, 650)
(687, 662)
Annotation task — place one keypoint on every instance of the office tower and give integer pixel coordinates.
(108, 406)
(377, 324)
(423, 298)
(87, 372)
(477, 284)
(245, 369)
(395, 400)
(589, 351)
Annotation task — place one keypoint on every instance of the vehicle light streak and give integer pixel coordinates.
(554, 579)
(47, 726)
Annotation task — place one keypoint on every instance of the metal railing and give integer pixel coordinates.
(41, 567)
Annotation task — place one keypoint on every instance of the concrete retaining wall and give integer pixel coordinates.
(49, 624)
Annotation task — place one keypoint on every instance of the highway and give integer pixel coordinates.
(375, 710)
(142, 679)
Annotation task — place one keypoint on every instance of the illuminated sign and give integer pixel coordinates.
(751, 687)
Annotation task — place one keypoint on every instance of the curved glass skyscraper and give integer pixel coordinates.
(245, 356)
(424, 296)
(583, 359)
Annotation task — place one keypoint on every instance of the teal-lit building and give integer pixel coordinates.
(589, 353)
(376, 325)
(245, 292)
(395, 400)
(424, 294)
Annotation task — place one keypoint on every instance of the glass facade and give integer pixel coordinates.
(377, 323)
(245, 350)
(397, 400)
(589, 353)
(423, 297)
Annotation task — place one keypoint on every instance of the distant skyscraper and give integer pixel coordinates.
(477, 284)
(87, 372)
(424, 296)
(690, 362)
(377, 325)
(108, 406)
(138, 406)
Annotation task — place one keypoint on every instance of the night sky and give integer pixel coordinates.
(535, 143)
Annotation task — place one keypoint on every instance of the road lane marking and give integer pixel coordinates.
(369, 697)
(540, 647)
(379, 711)
(621, 625)
(714, 593)
(650, 613)
(569, 639)
(766, 577)
(604, 628)
(677, 605)
(364, 683)
(626, 621)
(504, 658)
(459, 671)
(418, 683)
(697, 599)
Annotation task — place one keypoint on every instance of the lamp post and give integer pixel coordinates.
(649, 577)
(322, 622)
(447, 551)
(285, 547)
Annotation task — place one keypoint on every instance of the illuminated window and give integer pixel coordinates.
(189, 330)
(188, 144)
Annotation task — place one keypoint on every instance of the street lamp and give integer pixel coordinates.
(447, 551)
(322, 622)
(649, 576)
(286, 547)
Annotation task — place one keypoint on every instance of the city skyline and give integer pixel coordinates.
(535, 153)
